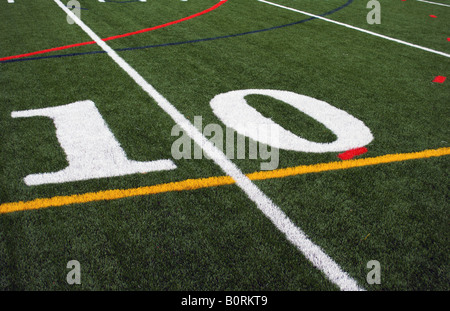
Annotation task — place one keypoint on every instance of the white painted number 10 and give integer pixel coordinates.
(93, 152)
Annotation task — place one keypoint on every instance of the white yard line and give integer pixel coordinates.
(358, 29)
(294, 234)
(436, 3)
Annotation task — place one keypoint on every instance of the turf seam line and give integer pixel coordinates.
(358, 29)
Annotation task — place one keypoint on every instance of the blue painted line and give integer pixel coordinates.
(183, 42)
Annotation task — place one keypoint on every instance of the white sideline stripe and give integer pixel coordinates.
(359, 29)
(295, 235)
(436, 3)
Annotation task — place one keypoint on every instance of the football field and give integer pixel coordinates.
(224, 145)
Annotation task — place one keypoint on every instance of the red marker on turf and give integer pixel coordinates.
(439, 79)
(350, 154)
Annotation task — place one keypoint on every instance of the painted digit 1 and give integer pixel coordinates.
(91, 148)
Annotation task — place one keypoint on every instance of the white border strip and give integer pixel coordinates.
(436, 3)
(358, 29)
(295, 235)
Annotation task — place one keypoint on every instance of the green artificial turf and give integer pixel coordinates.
(216, 238)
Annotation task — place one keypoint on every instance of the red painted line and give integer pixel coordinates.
(350, 154)
(118, 36)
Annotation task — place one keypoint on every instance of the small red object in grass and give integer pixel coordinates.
(439, 79)
(350, 154)
(448, 39)
(433, 16)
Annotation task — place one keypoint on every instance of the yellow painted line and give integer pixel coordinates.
(342, 165)
(193, 184)
(190, 184)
